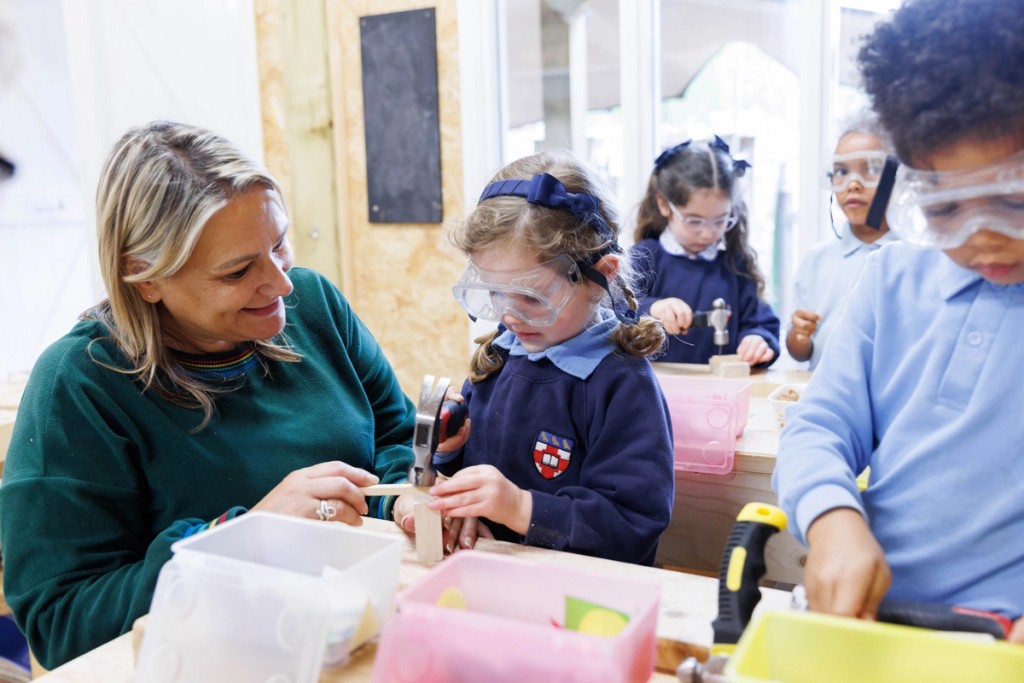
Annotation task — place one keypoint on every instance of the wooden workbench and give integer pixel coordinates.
(10, 396)
(763, 380)
(706, 505)
(688, 605)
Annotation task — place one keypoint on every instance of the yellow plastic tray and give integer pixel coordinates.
(802, 647)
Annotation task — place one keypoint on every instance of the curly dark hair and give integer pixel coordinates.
(941, 71)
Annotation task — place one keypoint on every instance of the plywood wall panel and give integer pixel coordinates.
(298, 135)
(399, 277)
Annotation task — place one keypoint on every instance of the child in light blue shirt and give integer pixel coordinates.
(830, 269)
(922, 379)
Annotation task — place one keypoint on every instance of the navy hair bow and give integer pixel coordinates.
(545, 189)
(739, 166)
(719, 143)
(668, 155)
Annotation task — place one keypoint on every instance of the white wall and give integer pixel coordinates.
(45, 262)
(91, 69)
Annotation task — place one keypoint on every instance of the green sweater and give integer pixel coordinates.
(102, 478)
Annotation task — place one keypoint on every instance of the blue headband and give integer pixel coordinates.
(739, 166)
(546, 190)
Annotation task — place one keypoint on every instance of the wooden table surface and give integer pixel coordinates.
(10, 396)
(706, 505)
(688, 606)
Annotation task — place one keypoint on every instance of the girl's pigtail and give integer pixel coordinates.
(486, 360)
(643, 339)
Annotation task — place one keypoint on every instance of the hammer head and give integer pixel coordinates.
(426, 432)
(718, 319)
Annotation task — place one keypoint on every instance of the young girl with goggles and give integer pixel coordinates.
(557, 454)
(693, 245)
(864, 167)
(830, 269)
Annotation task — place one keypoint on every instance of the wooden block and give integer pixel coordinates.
(729, 366)
(726, 358)
(739, 369)
(429, 540)
(392, 489)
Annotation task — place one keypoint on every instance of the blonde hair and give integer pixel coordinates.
(550, 233)
(160, 185)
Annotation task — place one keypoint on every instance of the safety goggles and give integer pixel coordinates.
(695, 224)
(942, 209)
(843, 169)
(535, 295)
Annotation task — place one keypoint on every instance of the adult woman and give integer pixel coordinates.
(828, 272)
(180, 401)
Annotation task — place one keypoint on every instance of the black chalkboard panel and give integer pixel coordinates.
(403, 136)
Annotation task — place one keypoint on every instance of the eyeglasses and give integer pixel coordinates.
(534, 295)
(843, 169)
(695, 224)
(942, 209)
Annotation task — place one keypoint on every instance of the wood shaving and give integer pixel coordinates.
(789, 394)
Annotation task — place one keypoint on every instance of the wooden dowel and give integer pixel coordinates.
(392, 489)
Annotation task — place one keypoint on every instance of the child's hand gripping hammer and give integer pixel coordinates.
(436, 420)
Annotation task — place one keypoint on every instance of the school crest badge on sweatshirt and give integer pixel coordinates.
(551, 454)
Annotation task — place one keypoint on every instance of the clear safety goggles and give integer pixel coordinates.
(695, 224)
(942, 209)
(535, 295)
(843, 169)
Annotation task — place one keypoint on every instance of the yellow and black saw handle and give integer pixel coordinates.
(742, 567)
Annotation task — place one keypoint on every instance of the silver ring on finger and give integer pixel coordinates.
(326, 511)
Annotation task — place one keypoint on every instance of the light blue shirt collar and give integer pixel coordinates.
(578, 356)
(851, 243)
(953, 279)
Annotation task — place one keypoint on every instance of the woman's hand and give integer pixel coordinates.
(404, 513)
(846, 571)
(754, 350)
(469, 529)
(675, 314)
(301, 492)
(483, 491)
(458, 532)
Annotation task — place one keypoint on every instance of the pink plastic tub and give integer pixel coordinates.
(708, 415)
(510, 629)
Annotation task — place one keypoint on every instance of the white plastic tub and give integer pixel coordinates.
(267, 598)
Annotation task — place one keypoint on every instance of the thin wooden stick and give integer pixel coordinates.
(392, 489)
